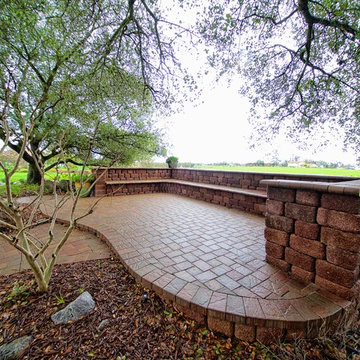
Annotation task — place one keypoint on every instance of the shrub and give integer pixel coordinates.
(172, 162)
(86, 177)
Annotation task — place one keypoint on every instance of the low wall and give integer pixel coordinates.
(313, 232)
(129, 174)
(249, 203)
(244, 180)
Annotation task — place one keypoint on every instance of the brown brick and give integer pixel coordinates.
(295, 334)
(300, 260)
(336, 274)
(275, 207)
(280, 223)
(277, 236)
(300, 212)
(334, 288)
(280, 264)
(339, 220)
(302, 275)
(304, 197)
(274, 250)
(269, 336)
(346, 259)
(348, 204)
(275, 193)
(340, 239)
(312, 248)
(245, 332)
(259, 209)
(194, 315)
(222, 326)
(306, 229)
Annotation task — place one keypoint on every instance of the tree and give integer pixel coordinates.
(78, 81)
(300, 60)
(69, 64)
(18, 222)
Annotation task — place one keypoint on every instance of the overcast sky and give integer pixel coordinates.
(215, 128)
(218, 130)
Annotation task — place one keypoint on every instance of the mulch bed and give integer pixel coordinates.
(140, 324)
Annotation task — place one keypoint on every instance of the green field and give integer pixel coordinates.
(285, 170)
(21, 175)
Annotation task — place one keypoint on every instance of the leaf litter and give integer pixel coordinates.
(130, 322)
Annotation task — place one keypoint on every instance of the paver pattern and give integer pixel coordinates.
(205, 257)
(80, 246)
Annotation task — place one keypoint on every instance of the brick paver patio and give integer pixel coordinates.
(209, 260)
(80, 246)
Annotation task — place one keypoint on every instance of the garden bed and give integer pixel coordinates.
(139, 325)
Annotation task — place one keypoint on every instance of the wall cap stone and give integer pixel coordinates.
(344, 188)
(307, 176)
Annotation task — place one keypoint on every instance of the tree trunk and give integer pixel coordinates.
(34, 175)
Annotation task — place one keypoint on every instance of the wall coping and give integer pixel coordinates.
(277, 174)
(132, 168)
(343, 188)
(319, 176)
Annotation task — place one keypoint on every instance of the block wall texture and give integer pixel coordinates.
(315, 237)
(244, 180)
(252, 204)
(122, 174)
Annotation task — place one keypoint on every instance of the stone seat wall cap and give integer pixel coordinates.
(347, 188)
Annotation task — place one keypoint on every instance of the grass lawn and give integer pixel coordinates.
(22, 175)
(18, 176)
(285, 170)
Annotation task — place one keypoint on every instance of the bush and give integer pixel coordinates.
(19, 190)
(87, 177)
(172, 162)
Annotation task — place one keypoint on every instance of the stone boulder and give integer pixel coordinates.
(15, 349)
(82, 305)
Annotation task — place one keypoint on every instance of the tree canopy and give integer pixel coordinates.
(71, 68)
(300, 60)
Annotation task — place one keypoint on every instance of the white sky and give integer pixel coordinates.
(218, 130)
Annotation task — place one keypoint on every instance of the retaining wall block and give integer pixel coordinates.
(339, 220)
(300, 212)
(311, 198)
(286, 195)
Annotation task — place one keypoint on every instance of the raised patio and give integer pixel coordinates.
(210, 260)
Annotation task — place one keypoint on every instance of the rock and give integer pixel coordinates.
(14, 349)
(75, 310)
(103, 324)
(48, 187)
(63, 185)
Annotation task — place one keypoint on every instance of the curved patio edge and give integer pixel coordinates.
(246, 318)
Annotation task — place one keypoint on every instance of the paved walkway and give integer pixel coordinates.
(80, 246)
(208, 259)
